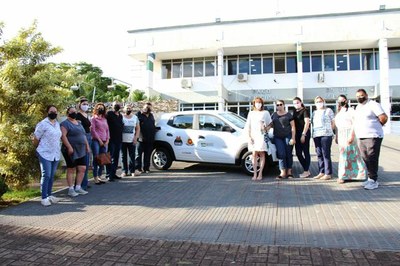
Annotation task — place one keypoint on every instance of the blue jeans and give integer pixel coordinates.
(85, 177)
(303, 150)
(128, 148)
(114, 149)
(96, 149)
(323, 150)
(48, 170)
(284, 152)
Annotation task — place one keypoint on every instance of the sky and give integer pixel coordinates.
(96, 31)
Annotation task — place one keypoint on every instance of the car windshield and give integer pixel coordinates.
(234, 119)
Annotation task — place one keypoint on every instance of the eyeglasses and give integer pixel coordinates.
(279, 104)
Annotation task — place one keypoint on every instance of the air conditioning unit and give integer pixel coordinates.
(186, 83)
(321, 77)
(242, 77)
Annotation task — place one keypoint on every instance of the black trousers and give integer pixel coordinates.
(144, 150)
(370, 149)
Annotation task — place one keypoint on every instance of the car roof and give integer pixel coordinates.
(197, 112)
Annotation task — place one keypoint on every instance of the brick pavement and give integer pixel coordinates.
(212, 215)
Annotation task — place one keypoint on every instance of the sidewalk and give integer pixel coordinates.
(213, 215)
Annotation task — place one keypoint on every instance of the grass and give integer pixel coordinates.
(15, 197)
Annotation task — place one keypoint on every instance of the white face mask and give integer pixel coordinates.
(297, 105)
(319, 105)
(258, 105)
(84, 107)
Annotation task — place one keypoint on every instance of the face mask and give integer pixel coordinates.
(297, 106)
(361, 99)
(128, 112)
(84, 107)
(52, 116)
(101, 111)
(258, 105)
(72, 115)
(117, 107)
(342, 104)
(148, 110)
(319, 105)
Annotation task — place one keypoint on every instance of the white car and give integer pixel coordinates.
(203, 137)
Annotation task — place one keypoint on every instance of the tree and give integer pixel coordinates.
(27, 85)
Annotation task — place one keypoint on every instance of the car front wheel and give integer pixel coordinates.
(161, 158)
(247, 163)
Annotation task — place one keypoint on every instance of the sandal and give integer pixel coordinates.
(279, 177)
(290, 176)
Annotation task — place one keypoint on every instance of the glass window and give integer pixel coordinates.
(181, 121)
(341, 61)
(291, 63)
(267, 65)
(199, 69)
(354, 59)
(210, 67)
(244, 66)
(306, 62)
(166, 69)
(394, 59)
(329, 61)
(279, 63)
(376, 53)
(367, 60)
(316, 62)
(232, 66)
(210, 123)
(177, 70)
(255, 65)
(187, 68)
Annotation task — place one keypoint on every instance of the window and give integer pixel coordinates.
(232, 65)
(210, 66)
(367, 60)
(267, 64)
(376, 53)
(291, 63)
(316, 62)
(198, 67)
(181, 121)
(244, 65)
(341, 60)
(187, 68)
(255, 64)
(210, 123)
(177, 69)
(166, 69)
(329, 61)
(279, 63)
(306, 62)
(354, 59)
(394, 59)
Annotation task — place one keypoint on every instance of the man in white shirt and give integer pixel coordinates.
(368, 123)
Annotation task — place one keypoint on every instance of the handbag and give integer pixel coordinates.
(103, 158)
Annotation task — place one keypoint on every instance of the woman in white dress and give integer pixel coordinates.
(257, 124)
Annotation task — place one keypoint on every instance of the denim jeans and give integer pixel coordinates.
(96, 149)
(114, 149)
(323, 150)
(284, 152)
(128, 148)
(48, 170)
(85, 177)
(303, 150)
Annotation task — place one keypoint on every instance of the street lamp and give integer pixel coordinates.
(76, 87)
(112, 86)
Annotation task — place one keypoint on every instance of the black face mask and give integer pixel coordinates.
(342, 104)
(128, 112)
(361, 99)
(101, 111)
(117, 107)
(52, 116)
(72, 115)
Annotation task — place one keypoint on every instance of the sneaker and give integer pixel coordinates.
(372, 185)
(319, 176)
(305, 175)
(81, 191)
(53, 199)
(366, 182)
(46, 202)
(137, 173)
(123, 175)
(326, 177)
(72, 193)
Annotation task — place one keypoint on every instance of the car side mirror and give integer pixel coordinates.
(228, 129)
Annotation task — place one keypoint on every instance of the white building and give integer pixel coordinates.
(225, 64)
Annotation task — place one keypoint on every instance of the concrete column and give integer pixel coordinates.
(220, 80)
(300, 89)
(149, 70)
(384, 81)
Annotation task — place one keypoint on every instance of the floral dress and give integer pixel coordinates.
(351, 165)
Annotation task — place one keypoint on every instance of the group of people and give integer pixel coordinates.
(358, 133)
(84, 137)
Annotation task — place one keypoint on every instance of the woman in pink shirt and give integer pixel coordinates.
(100, 138)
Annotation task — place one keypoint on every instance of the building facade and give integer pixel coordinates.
(225, 64)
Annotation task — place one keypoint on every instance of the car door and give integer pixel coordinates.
(212, 144)
(179, 136)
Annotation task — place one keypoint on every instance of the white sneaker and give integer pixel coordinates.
(137, 173)
(81, 191)
(123, 175)
(372, 185)
(53, 199)
(72, 193)
(366, 182)
(46, 202)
